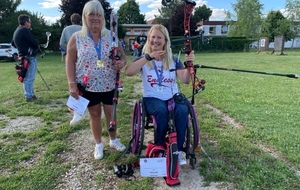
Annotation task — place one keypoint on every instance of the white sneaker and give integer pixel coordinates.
(76, 117)
(98, 154)
(181, 159)
(116, 144)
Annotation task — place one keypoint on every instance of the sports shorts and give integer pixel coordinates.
(99, 97)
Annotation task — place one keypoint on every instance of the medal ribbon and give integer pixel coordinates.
(159, 76)
(97, 46)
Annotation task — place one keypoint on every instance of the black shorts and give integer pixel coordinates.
(97, 97)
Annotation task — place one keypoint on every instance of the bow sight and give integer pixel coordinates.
(166, 2)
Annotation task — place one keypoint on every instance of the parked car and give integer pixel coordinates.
(8, 52)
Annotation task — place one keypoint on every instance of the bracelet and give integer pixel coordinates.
(73, 82)
(147, 57)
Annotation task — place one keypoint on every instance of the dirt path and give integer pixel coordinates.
(84, 169)
(83, 173)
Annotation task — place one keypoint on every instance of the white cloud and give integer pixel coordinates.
(51, 20)
(116, 4)
(284, 12)
(200, 3)
(218, 15)
(150, 15)
(154, 5)
(48, 4)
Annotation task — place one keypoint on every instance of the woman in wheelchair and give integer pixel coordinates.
(159, 68)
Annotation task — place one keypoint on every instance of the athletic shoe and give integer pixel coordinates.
(181, 159)
(98, 154)
(32, 99)
(76, 117)
(116, 144)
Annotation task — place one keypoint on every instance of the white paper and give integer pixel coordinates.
(79, 105)
(153, 167)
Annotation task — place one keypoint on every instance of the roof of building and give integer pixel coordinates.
(207, 22)
(137, 25)
(152, 21)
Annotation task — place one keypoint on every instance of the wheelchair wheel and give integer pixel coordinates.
(137, 129)
(192, 135)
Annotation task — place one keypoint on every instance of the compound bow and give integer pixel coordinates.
(45, 45)
(198, 85)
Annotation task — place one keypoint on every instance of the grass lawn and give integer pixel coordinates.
(261, 153)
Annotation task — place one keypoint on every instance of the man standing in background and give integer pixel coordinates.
(27, 47)
(141, 40)
(68, 32)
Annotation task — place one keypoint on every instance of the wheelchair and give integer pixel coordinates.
(142, 121)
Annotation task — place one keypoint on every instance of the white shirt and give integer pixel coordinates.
(161, 84)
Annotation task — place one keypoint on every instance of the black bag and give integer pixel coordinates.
(21, 67)
(179, 98)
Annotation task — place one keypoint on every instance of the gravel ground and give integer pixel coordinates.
(84, 169)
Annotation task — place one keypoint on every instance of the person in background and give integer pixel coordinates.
(27, 46)
(122, 44)
(66, 34)
(141, 40)
(160, 85)
(88, 64)
(135, 48)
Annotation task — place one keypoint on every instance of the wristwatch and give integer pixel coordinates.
(147, 56)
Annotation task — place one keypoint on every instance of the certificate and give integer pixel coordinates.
(153, 167)
(78, 105)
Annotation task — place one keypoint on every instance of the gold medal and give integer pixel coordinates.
(100, 63)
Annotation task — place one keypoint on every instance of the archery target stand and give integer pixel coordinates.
(263, 44)
(278, 44)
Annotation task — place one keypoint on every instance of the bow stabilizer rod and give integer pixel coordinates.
(295, 76)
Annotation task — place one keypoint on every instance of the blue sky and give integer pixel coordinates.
(50, 8)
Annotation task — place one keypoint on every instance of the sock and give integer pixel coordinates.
(99, 144)
(179, 153)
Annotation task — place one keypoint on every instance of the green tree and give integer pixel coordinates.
(129, 13)
(292, 7)
(275, 25)
(8, 6)
(202, 13)
(38, 23)
(68, 7)
(7, 22)
(172, 16)
(246, 19)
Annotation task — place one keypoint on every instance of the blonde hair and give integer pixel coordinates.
(95, 7)
(168, 58)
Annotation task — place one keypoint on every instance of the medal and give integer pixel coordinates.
(160, 89)
(100, 63)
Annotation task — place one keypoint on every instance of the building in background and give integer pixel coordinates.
(134, 30)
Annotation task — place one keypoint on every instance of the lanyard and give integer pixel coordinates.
(97, 46)
(159, 77)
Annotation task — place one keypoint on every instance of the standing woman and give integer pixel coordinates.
(88, 63)
(159, 83)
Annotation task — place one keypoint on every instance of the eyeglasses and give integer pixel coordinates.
(29, 21)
